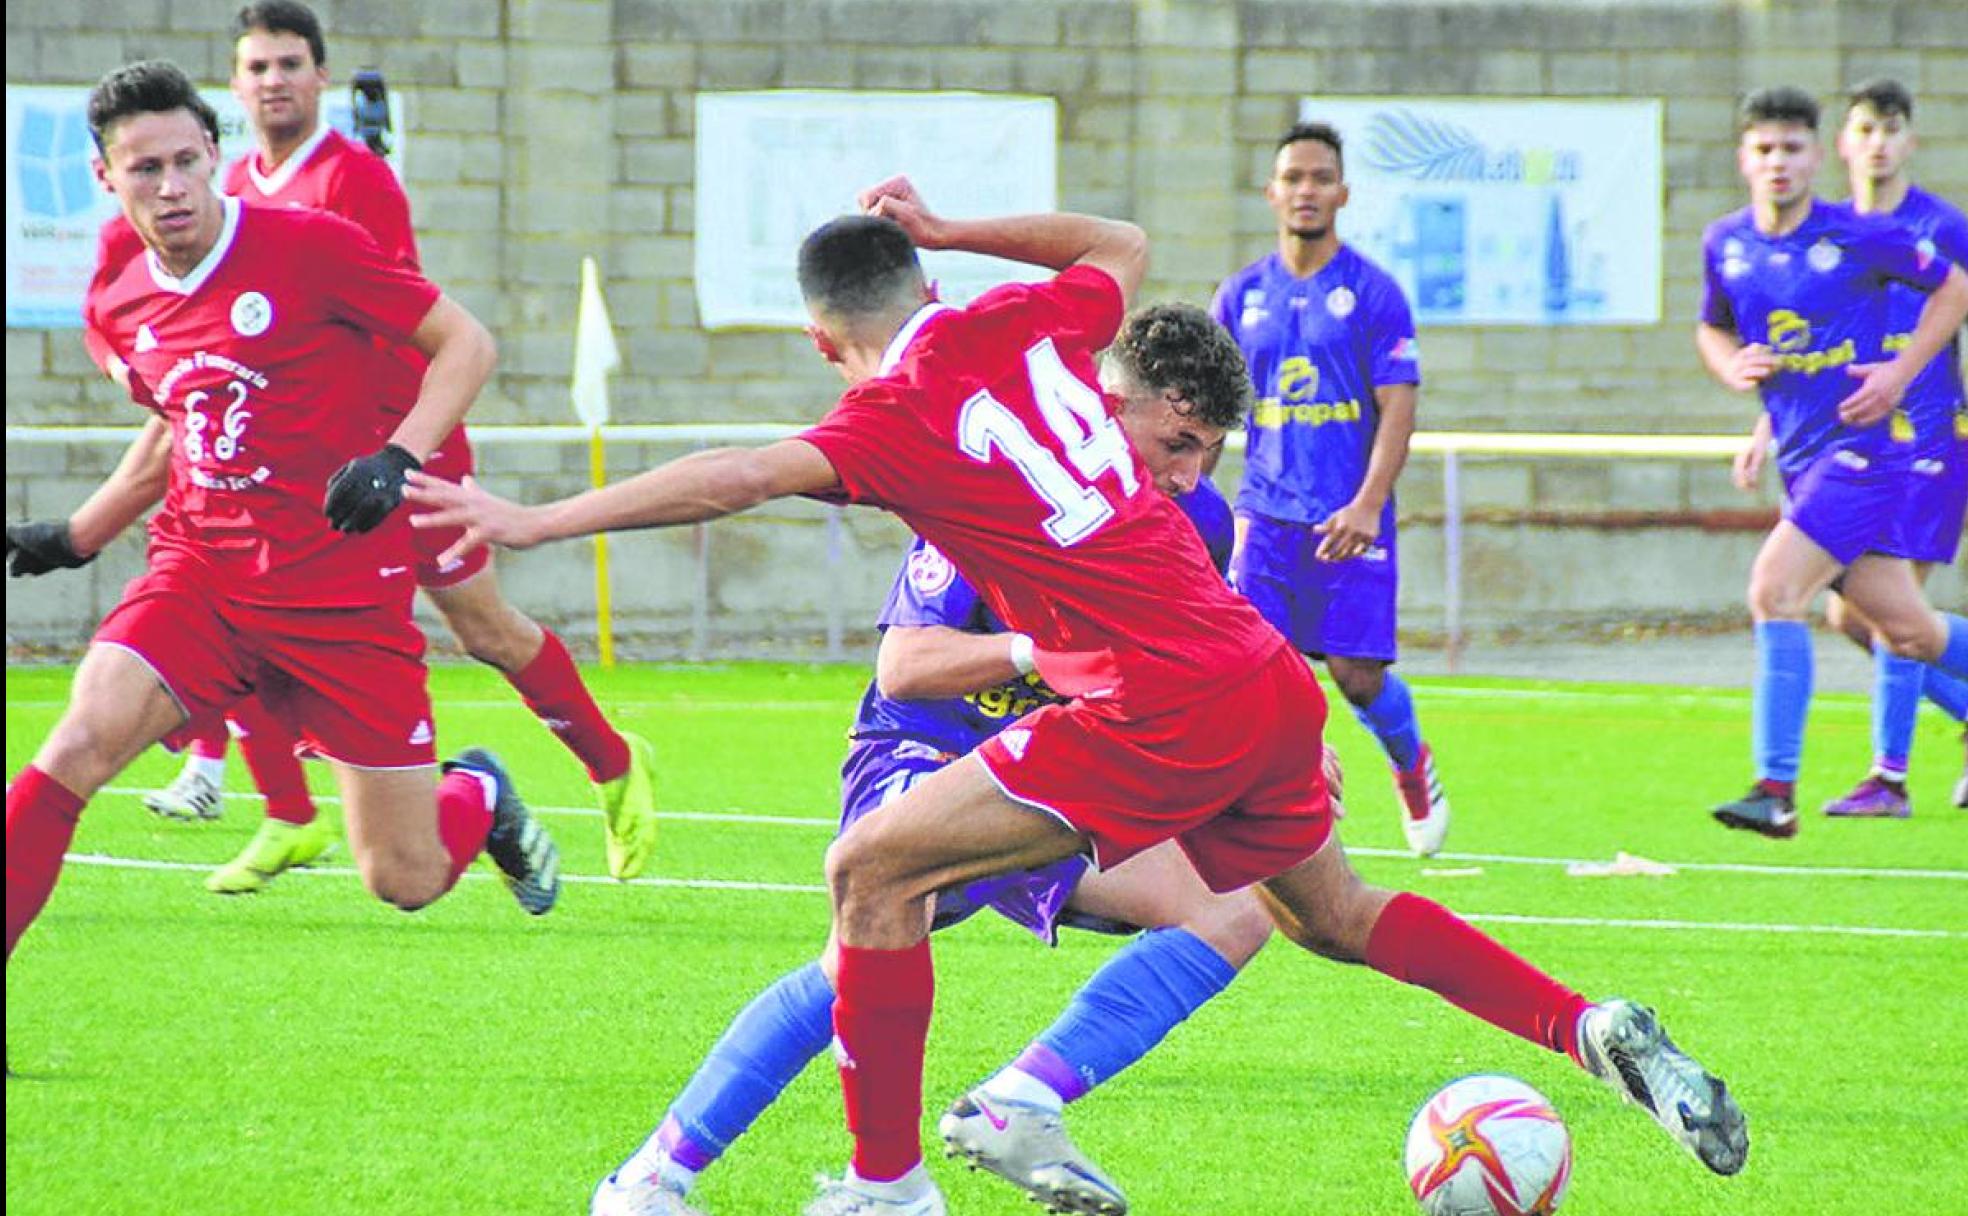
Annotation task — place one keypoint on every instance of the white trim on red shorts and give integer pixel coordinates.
(315, 753)
(163, 683)
(1092, 850)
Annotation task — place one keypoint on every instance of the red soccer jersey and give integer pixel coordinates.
(986, 435)
(331, 172)
(264, 361)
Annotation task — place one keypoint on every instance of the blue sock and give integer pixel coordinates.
(765, 1047)
(1130, 1004)
(1895, 705)
(1954, 657)
(1947, 692)
(1391, 717)
(1782, 697)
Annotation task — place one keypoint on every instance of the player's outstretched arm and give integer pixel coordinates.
(925, 662)
(134, 487)
(692, 489)
(1054, 240)
(1881, 384)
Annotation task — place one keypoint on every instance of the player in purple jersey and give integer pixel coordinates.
(945, 682)
(1877, 144)
(1795, 306)
(1331, 348)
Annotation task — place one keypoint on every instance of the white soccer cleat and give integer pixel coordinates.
(648, 1197)
(1028, 1147)
(1624, 1045)
(850, 1197)
(1424, 807)
(192, 795)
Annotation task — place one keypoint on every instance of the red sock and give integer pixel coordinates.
(881, 1026)
(1418, 941)
(268, 746)
(464, 816)
(207, 737)
(552, 688)
(41, 815)
(1782, 789)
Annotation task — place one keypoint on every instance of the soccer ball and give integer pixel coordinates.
(1488, 1146)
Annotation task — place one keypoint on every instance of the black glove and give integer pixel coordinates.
(365, 490)
(36, 548)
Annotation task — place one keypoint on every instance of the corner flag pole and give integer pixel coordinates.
(595, 355)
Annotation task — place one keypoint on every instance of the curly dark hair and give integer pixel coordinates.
(1181, 347)
(149, 86)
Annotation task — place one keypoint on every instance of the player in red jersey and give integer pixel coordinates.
(249, 332)
(983, 429)
(279, 72)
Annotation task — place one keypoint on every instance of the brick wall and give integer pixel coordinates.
(541, 130)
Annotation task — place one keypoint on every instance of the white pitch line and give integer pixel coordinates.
(789, 888)
(808, 821)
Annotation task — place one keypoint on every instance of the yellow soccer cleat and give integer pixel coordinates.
(628, 811)
(275, 848)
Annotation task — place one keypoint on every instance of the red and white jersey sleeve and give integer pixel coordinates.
(265, 361)
(989, 437)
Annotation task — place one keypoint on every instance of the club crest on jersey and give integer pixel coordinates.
(252, 314)
(929, 571)
(1340, 302)
(1824, 257)
(1254, 311)
(1924, 252)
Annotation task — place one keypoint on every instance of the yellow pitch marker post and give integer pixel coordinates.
(595, 355)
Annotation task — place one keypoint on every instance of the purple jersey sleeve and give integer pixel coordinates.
(929, 591)
(1395, 358)
(1716, 307)
(1891, 251)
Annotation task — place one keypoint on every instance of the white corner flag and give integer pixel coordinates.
(595, 352)
(595, 355)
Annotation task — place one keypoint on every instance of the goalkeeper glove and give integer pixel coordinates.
(364, 491)
(36, 548)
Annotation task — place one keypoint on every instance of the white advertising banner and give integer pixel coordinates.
(773, 166)
(1507, 211)
(55, 205)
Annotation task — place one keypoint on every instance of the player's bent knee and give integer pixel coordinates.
(401, 880)
(1235, 927)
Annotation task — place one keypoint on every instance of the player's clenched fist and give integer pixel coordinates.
(364, 491)
(38, 547)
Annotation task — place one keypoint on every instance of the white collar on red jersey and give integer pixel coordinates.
(270, 184)
(910, 328)
(229, 206)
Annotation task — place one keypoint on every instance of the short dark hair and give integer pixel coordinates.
(281, 17)
(1181, 347)
(858, 266)
(1778, 103)
(149, 86)
(1884, 94)
(1321, 132)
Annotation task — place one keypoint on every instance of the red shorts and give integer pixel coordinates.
(349, 682)
(452, 461)
(1235, 778)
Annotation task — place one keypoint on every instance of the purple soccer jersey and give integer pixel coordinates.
(895, 744)
(1317, 348)
(1817, 297)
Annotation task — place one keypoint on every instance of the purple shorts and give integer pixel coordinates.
(1936, 507)
(1847, 503)
(877, 771)
(1324, 608)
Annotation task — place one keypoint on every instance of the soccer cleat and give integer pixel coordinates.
(1624, 1045)
(1872, 798)
(517, 844)
(1760, 811)
(846, 1197)
(1425, 817)
(628, 811)
(191, 795)
(1028, 1147)
(274, 849)
(649, 1197)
